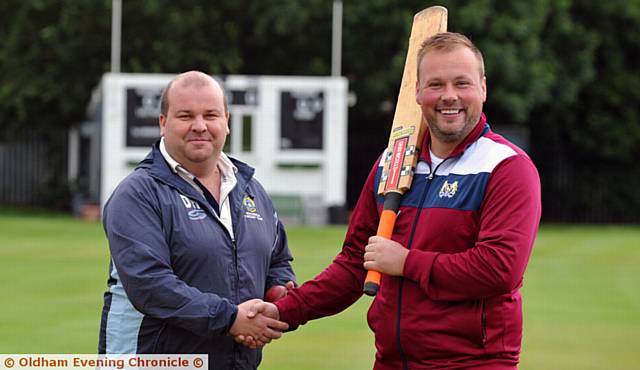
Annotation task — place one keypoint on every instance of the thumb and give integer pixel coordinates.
(255, 309)
(290, 285)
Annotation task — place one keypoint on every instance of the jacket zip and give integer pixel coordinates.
(235, 265)
(157, 340)
(403, 357)
(483, 323)
(234, 247)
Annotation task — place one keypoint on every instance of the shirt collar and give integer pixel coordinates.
(480, 129)
(167, 157)
(227, 169)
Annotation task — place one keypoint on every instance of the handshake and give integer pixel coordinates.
(258, 322)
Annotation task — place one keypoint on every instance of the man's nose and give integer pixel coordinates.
(199, 125)
(449, 94)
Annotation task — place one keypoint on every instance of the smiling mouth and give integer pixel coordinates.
(449, 111)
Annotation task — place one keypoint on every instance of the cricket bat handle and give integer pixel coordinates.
(385, 229)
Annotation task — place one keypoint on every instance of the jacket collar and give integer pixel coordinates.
(481, 128)
(158, 167)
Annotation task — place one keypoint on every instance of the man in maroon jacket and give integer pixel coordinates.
(449, 297)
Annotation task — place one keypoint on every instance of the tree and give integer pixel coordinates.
(563, 69)
(47, 70)
(47, 75)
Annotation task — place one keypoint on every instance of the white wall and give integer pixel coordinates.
(275, 167)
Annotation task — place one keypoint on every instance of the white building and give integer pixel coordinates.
(292, 129)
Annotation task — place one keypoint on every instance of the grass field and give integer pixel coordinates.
(581, 296)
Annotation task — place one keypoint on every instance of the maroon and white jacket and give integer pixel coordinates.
(470, 224)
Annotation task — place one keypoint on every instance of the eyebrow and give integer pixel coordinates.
(213, 110)
(456, 78)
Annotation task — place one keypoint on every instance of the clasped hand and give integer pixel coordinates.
(385, 256)
(257, 323)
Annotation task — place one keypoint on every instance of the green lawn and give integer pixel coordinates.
(581, 296)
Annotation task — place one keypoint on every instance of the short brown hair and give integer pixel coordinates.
(448, 41)
(196, 78)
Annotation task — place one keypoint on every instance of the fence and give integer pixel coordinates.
(575, 190)
(24, 171)
(572, 191)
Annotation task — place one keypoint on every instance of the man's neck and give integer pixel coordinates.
(210, 177)
(204, 169)
(441, 149)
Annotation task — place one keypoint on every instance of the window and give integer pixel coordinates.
(247, 125)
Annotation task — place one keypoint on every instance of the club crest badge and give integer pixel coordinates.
(249, 204)
(448, 190)
(250, 210)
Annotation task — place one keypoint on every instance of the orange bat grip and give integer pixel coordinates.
(385, 229)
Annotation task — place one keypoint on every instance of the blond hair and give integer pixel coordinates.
(448, 41)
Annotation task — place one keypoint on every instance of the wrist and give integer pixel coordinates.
(230, 329)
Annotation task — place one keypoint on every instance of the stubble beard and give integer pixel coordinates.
(202, 154)
(457, 135)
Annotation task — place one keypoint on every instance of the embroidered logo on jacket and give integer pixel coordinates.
(448, 190)
(250, 210)
(194, 211)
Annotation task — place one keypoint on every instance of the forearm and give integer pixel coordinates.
(487, 269)
(142, 261)
(495, 263)
(341, 283)
(332, 291)
(154, 290)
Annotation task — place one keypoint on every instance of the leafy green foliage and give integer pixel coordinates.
(52, 55)
(565, 69)
(610, 127)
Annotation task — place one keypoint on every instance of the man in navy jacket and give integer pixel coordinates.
(194, 241)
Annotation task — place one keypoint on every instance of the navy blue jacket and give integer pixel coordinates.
(176, 275)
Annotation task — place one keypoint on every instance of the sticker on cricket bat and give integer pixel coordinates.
(403, 132)
(397, 158)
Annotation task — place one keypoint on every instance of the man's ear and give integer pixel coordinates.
(226, 116)
(162, 120)
(484, 89)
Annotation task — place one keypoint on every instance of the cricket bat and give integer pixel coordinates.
(407, 132)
